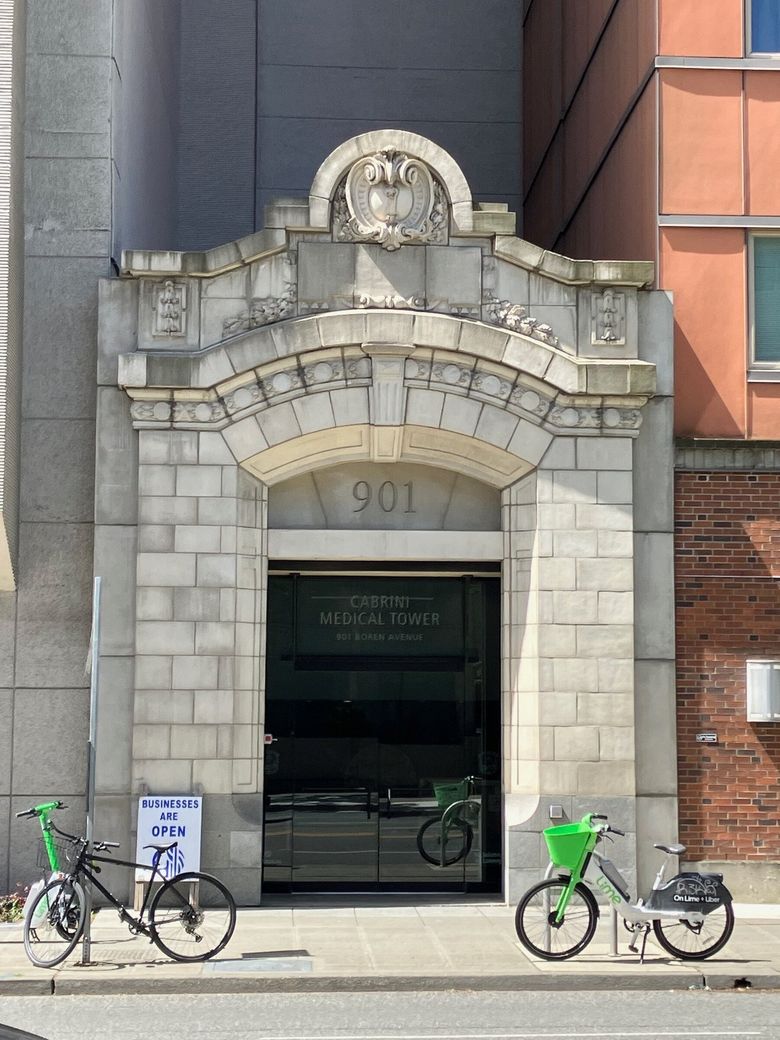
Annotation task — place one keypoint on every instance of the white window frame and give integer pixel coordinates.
(755, 716)
(768, 371)
(749, 35)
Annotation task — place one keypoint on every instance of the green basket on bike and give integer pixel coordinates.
(569, 844)
(447, 794)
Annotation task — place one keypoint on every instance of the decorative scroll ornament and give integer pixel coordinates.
(608, 319)
(169, 306)
(391, 199)
(516, 318)
(390, 303)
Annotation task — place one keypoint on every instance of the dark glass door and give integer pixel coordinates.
(382, 697)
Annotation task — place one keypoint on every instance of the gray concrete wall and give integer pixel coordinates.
(654, 669)
(256, 124)
(145, 122)
(67, 216)
(12, 70)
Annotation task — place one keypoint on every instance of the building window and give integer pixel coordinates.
(764, 27)
(763, 691)
(766, 301)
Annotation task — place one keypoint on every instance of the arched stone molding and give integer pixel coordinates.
(217, 367)
(441, 163)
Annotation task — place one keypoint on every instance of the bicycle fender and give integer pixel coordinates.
(691, 891)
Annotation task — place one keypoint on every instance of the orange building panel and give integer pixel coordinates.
(701, 141)
(617, 216)
(762, 131)
(542, 61)
(683, 31)
(582, 24)
(764, 411)
(705, 268)
(621, 64)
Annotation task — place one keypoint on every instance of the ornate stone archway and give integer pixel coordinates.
(385, 319)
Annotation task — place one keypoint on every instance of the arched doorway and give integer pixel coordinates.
(382, 690)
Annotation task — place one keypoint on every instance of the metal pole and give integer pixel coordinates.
(613, 932)
(93, 706)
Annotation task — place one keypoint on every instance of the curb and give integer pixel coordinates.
(365, 984)
(84, 986)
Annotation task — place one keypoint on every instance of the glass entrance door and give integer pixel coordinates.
(382, 697)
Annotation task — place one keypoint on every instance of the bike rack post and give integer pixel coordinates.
(86, 947)
(613, 932)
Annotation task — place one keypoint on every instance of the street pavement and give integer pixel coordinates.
(390, 946)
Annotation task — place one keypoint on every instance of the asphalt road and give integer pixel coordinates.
(401, 1016)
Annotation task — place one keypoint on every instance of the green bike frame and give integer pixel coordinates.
(43, 812)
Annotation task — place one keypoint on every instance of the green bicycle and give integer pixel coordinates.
(691, 914)
(53, 858)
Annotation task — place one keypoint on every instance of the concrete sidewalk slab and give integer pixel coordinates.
(404, 947)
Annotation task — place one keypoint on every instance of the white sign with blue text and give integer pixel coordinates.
(163, 819)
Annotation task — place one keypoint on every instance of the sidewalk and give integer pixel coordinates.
(389, 947)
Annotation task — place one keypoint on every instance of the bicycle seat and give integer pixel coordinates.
(673, 850)
(163, 847)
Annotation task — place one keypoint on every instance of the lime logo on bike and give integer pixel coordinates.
(608, 890)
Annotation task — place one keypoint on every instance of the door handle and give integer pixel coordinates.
(388, 810)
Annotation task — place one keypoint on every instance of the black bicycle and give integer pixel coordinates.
(190, 918)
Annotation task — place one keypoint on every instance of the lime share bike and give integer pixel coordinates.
(691, 914)
(191, 917)
(448, 838)
(51, 858)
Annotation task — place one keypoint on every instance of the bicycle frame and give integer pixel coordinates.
(595, 878)
(44, 811)
(83, 869)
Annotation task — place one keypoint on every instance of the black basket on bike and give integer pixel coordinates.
(65, 851)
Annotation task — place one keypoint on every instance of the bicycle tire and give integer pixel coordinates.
(534, 920)
(459, 838)
(179, 922)
(716, 925)
(49, 942)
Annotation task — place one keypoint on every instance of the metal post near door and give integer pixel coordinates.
(93, 706)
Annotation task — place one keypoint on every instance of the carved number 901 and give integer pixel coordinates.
(388, 496)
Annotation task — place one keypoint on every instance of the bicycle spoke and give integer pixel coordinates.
(193, 917)
(54, 924)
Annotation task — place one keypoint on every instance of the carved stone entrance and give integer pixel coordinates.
(389, 321)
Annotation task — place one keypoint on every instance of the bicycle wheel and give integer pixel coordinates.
(192, 917)
(55, 922)
(458, 838)
(535, 920)
(696, 942)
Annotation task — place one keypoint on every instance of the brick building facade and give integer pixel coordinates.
(727, 562)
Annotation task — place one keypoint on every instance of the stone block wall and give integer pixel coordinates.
(569, 645)
(727, 544)
(198, 652)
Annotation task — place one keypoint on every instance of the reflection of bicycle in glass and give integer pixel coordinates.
(446, 839)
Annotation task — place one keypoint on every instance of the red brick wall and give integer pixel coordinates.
(727, 566)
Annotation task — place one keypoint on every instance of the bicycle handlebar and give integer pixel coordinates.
(41, 810)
